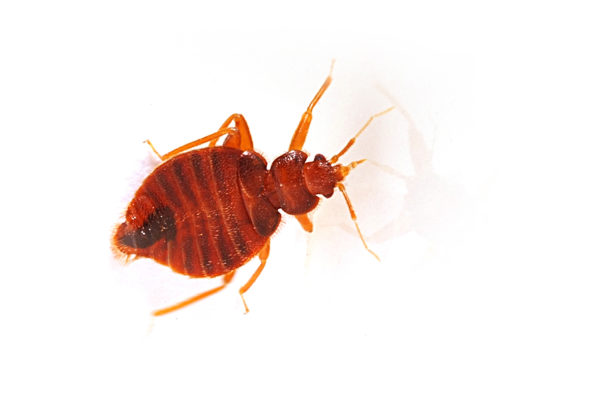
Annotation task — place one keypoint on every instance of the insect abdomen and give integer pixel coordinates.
(213, 233)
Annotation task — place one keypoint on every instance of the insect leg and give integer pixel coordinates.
(214, 136)
(354, 217)
(263, 254)
(226, 280)
(298, 139)
(240, 139)
(305, 222)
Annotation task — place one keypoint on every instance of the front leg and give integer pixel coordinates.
(305, 222)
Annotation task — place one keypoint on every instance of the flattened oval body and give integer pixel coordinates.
(192, 213)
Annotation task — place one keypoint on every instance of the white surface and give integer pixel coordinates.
(490, 272)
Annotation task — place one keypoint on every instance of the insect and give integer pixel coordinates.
(205, 212)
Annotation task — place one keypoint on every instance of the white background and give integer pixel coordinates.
(489, 279)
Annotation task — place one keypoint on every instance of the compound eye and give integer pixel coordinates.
(320, 158)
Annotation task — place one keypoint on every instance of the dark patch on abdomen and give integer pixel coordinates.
(159, 225)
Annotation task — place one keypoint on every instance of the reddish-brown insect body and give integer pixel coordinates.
(208, 211)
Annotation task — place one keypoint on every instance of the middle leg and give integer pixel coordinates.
(263, 254)
(240, 140)
(209, 138)
(237, 136)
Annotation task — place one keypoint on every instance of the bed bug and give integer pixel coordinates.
(205, 212)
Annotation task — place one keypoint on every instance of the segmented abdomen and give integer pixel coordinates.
(212, 232)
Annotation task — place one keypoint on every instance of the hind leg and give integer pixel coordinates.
(226, 280)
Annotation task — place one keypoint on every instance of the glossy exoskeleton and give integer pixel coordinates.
(206, 212)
